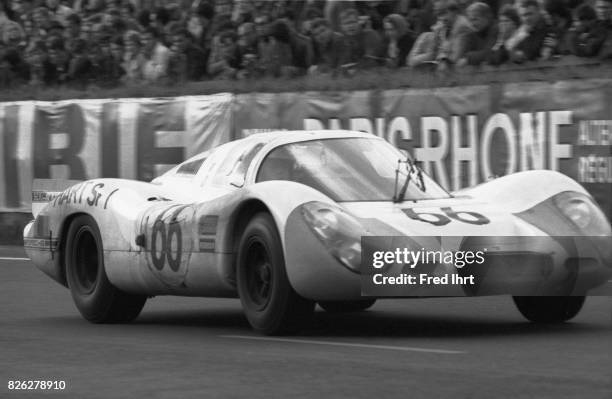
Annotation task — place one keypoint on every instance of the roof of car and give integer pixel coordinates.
(287, 136)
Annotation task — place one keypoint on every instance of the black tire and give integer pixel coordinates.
(94, 296)
(549, 309)
(269, 302)
(347, 306)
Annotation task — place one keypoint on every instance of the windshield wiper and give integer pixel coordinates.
(410, 169)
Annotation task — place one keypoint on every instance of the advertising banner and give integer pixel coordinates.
(84, 139)
(464, 136)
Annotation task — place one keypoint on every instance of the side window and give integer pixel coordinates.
(190, 168)
(242, 165)
(235, 168)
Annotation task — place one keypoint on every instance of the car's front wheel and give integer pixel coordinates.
(347, 306)
(549, 309)
(268, 300)
(94, 296)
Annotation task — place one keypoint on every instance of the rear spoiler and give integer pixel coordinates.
(46, 190)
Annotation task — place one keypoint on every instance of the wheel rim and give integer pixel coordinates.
(85, 260)
(259, 274)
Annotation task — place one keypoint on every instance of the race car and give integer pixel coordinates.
(277, 219)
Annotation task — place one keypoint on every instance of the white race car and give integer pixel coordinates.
(276, 219)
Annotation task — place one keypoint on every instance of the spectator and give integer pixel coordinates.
(451, 33)
(187, 61)
(57, 72)
(586, 36)
(302, 52)
(275, 51)
(480, 42)
(398, 40)
(362, 45)
(58, 12)
(80, 68)
(73, 26)
(224, 62)
(509, 22)
(7, 25)
(199, 25)
(133, 59)
(560, 18)
(328, 48)
(528, 40)
(248, 51)
(247, 39)
(156, 55)
(36, 58)
(40, 18)
(423, 52)
(604, 14)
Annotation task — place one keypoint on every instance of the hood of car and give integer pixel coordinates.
(463, 216)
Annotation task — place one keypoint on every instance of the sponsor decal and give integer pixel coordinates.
(207, 230)
(44, 244)
(447, 216)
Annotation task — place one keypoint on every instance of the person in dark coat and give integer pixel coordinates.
(480, 42)
(527, 42)
(398, 40)
(328, 47)
(587, 34)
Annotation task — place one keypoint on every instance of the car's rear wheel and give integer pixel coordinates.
(347, 306)
(268, 300)
(549, 309)
(94, 296)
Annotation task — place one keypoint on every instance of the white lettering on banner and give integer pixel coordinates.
(535, 145)
(3, 187)
(558, 151)
(595, 132)
(533, 141)
(464, 154)
(362, 125)
(435, 155)
(128, 139)
(595, 169)
(495, 123)
(25, 148)
(91, 153)
(399, 129)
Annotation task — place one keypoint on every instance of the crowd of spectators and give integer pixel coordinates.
(114, 42)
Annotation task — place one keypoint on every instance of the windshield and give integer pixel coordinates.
(353, 169)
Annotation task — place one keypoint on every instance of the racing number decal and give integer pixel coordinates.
(169, 233)
(173, 235)
(438, 219)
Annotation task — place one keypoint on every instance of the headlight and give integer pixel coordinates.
(583, 213)
(338, 232)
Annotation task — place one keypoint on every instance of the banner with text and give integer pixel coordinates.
(85, 139)
(465, 135)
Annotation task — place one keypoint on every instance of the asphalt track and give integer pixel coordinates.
(197, 347)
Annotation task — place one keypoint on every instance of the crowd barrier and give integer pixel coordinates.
(462, 135)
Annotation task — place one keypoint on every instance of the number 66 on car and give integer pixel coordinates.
(276, 219)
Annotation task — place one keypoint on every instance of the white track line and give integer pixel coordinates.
(347, 344)
(20, 259)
